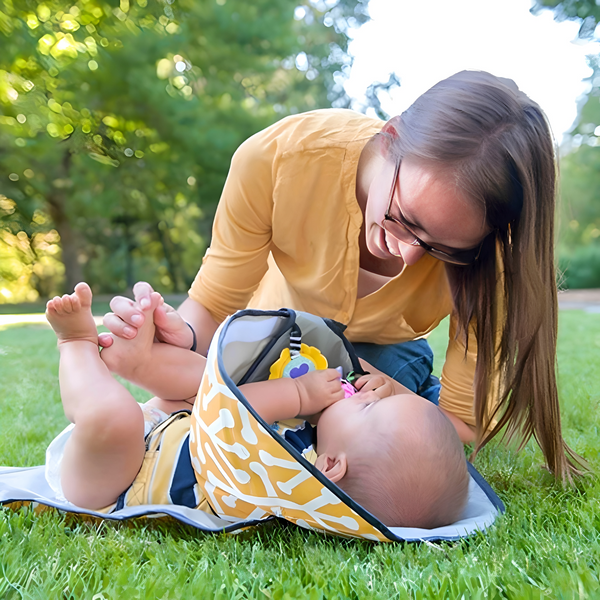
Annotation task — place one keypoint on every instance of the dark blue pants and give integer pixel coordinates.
(410, 363)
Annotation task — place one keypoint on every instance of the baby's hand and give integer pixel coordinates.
(317, 390)
(379, 383)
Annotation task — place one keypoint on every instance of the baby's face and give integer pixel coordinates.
(348, 423)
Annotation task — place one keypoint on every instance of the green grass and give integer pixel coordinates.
(546, 546)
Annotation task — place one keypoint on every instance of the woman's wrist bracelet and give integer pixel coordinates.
(195, 341)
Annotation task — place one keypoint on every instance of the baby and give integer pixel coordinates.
(396, 455)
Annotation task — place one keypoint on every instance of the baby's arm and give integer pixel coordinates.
(169, 372)
(279, 399)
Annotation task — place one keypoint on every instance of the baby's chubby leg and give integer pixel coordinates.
(172, 373)
(106, 448)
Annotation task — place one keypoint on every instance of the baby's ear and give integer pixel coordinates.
(333, 467)
(391, 127)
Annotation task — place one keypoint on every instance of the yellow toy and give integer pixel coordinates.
(298, 359)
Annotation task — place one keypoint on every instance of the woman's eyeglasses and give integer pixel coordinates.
(398, 227)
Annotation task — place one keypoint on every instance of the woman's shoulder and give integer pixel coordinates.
(329, 120)
(319, 138)
(317, 129)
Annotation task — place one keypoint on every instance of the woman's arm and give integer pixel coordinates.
(201, 321)
(465, 432)
(458, 376)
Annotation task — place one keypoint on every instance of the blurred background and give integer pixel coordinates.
(118, 119)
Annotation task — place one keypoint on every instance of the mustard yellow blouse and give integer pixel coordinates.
(286, 235)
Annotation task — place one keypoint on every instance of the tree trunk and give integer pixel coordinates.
(169, 249)
(69, 239)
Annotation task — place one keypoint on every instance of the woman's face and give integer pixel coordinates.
(429, 202)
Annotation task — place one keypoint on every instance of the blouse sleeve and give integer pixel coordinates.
(237, 257)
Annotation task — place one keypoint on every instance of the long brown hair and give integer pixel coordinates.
(496, 145)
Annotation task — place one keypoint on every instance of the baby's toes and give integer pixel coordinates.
(75, 303)
(67, 304)
(50, 307)
(55, 305)
(156, 300)
(83, 293)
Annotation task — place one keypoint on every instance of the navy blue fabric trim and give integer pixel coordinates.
(121, 500)
(184, 478)
(338, 328)
(486, 487)
(303, 438)
(163, 511)
(335, 326)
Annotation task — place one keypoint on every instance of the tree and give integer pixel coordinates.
(587, 12)
(119, 120)
(579, 242)
(579, 247)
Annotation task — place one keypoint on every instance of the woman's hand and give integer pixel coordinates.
(128, 316)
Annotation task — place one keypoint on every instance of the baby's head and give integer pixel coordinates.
(398, 457)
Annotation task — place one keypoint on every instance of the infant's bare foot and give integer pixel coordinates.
(124, 357)
(71, 316)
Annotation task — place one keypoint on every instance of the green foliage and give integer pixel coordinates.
(579, 247)
(585, 11)
(580, 267)
(579, 244)
(546, 546)
(119, 120)
(580, 194)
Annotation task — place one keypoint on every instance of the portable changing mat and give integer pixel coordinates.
(248, 472)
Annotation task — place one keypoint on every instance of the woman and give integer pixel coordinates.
(447, 209)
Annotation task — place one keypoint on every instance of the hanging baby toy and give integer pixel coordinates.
(299, 359)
